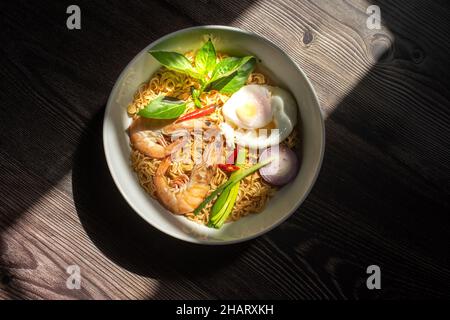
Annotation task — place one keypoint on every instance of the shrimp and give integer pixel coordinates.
(151, 142)
(189, 196)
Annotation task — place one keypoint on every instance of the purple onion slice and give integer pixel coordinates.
(283, 169)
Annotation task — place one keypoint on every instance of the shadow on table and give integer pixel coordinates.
(382, 143)
(119, 232)
(42, 150)
(390, 147)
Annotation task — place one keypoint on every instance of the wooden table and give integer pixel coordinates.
(382, 197)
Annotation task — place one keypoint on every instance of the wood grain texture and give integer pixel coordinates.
(382, 196)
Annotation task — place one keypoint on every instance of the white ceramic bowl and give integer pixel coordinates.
(281, 68)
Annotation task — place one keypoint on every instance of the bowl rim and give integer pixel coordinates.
(212, 241)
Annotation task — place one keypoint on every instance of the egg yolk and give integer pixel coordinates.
(246, 112)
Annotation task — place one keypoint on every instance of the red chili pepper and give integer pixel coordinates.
(197, 113)
(228, 167)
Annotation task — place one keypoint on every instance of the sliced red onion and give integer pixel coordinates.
(283, 169)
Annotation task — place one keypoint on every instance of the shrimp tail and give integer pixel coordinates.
(163, 167)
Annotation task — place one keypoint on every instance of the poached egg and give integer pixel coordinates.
(259, 116)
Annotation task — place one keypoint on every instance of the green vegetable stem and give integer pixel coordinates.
(238, 176)
(225, 202)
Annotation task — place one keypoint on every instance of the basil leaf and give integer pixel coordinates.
(205, 59)
(227, 66)
(175, 61)
(236, 80)
(161, 108)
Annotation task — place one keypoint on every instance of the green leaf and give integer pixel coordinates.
(236, 80)
(205, 59)
(175, 61)
(161, 108)
(227, 66)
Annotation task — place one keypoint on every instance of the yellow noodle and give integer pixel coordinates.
(253, 193)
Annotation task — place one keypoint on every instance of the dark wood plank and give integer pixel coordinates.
(381, 198)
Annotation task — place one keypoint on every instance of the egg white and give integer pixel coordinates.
(283, 111)
(257, 96)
